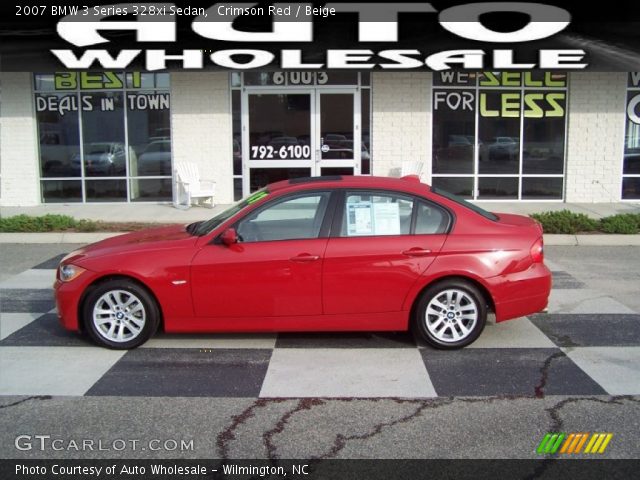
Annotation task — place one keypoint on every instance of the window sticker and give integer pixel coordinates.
(386, 218)
(367, 218)
(256, 197)
(359, 219)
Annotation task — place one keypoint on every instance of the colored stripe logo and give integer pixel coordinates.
(573, 443)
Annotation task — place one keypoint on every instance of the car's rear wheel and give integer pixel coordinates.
(450, 314)
(120, 314)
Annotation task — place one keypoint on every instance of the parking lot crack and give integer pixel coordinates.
(229, 434)
(267, 437)
(544, 374)
(341, 440)
(24, 400)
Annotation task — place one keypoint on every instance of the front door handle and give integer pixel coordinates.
(417, 252)
(305, 258)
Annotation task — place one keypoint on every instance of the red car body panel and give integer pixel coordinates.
(357, 283)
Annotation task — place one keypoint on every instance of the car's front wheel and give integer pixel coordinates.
(120, 314)
(450, 314)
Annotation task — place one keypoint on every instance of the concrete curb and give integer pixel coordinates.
(549, 239)
(56, 237)
(602, 240)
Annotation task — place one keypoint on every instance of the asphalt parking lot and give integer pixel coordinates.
(575, 368)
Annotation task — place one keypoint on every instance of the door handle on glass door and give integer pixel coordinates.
(417, 252)
(305, 257)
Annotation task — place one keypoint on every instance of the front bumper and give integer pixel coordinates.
(68, 296)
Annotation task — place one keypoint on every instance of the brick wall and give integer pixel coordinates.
(595, 136)
(201, 126)
(401, 121)
(18, 142)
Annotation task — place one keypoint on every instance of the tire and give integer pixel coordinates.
(120, 314)
(450, 314)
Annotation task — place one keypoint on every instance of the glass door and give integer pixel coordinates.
(277, 136)
(338, 136)
(299, 132)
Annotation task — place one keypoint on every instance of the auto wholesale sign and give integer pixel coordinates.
(314, 36)
(294, 23)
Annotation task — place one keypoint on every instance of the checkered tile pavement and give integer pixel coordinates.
(588, 344)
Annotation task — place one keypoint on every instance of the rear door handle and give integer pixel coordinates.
(417, 252)
(305, 257)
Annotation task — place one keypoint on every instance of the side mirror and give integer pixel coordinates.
(229, 237)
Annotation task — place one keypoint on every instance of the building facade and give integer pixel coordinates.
(498, 136)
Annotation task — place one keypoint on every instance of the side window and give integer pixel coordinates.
(292, 218)
(372, 214)
(430, 219)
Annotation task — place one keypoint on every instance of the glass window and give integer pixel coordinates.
(61, 191)
(106, 190)
(103, 134)
(149, 134)
(430, 219)
(542, 188)
(291, 112)
(365, 120)
(543, 134)
(499, 131)
(454, 126)
(236, 140)
(150, 190)
(59, 133)
(498, 188)
(631, 166)
(82, 118)
(373, 214)
(293, 218)
(460, 186)
(336, 126)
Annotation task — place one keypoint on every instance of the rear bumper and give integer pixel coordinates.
(522, 293)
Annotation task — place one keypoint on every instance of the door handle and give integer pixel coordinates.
(417, 252)
(305, 257)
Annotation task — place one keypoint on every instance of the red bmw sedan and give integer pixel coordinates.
(315, 254)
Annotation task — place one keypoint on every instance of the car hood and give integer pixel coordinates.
(161, 237)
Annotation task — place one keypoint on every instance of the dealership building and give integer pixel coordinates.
(488, 136)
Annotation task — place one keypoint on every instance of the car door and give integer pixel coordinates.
(274, 270)
(381, 243)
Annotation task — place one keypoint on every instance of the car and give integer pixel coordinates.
(502, 148)
(339, 253)
(102, 159)
(156, 159)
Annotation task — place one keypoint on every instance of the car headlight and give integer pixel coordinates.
(66, 273)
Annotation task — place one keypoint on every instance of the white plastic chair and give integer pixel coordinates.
(411, 168)
(191, 188)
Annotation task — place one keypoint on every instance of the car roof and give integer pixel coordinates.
(410, 183)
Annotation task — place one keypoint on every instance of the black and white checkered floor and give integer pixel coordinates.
(588, 344)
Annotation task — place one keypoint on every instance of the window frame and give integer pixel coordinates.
(475, 176)
(629, 90)
(85, 180)
(338, 216)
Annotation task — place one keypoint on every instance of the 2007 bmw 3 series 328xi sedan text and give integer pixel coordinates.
(316, 254)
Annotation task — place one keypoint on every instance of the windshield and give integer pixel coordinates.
(464, 203)
(206, 227)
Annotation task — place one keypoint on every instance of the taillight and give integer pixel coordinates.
(537, 251)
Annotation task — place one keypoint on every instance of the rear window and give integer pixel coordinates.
(464, 203)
